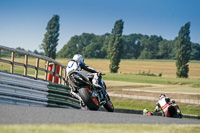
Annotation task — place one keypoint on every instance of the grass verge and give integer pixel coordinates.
(151, 79)
(99, 128)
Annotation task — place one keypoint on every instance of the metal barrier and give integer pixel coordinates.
(18, 90)
(59, 96)
(21, 89)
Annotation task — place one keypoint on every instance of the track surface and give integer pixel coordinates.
(12, 114)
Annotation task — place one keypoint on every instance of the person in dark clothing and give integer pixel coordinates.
(77, 64)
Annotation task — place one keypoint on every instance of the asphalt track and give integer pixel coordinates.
(13, 114)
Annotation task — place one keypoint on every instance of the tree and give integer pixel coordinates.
(89, 45)
(115, 46)
(150, 47)
(39, 53)
(134, 46)
(131, 46)
(165, 49)
(195, 53)
(183, 50)
(18, 54)
(50, 40)
(146, 53)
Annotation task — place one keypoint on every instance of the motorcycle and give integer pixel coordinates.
(81, 84)
(172, 111)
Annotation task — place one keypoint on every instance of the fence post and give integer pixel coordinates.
(46, 73)
(65, 80)
(61, 74)
(54, 73)
(25, 65)
(12, 62)
(36, 68)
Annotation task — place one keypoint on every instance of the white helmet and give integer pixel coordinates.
(162, 96)
(78, 57)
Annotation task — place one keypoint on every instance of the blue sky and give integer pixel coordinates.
(23, 22)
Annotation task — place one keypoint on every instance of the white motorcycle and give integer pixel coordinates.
(172, 111)
(81, 84)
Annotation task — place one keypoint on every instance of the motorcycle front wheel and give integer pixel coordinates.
(90, 101)
(109, 106)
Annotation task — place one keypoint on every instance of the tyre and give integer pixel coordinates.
(176, 116)
(91, 102)
(109, 106)
(172, 111)
(163, 114)
(180, 115)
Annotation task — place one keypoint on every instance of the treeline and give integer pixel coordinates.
(8, 54)
(135, 46)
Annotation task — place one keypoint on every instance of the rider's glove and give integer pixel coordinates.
(99, 74)
(173, 101)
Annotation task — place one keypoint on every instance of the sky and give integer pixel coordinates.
(23, 22)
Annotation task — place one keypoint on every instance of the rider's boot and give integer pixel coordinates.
(95, 82)
(74, 94)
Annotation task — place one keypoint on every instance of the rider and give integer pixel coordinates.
(164, 103)
(77, 64)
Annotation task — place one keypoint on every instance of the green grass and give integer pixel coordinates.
(123, 103)
(196, 85)
(151, 79)
(20, 70)
(99, 128)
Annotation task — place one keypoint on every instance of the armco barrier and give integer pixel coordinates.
(15, 89)
(31, 90)
(18, 90)
(59, 96)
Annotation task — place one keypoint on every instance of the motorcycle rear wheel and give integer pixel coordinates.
(177, 116)
(90, 101)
